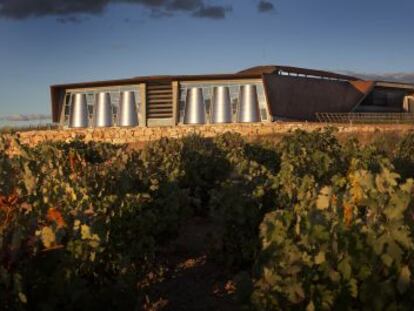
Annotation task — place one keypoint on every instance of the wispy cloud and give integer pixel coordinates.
(22, 9)
(265, 6)
(71, 19)
(212, 11)
(26, 117)
(407, 77)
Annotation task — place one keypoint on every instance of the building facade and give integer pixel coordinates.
(258, 94)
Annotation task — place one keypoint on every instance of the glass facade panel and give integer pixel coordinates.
(234, 88)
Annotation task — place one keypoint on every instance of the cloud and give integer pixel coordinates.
(213, 12)
(157, 13)
(407, 77)
(71, 20)
(26, 117)
(185, 5)
(22, 9)
(265, 6)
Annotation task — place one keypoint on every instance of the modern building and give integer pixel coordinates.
(258, 94)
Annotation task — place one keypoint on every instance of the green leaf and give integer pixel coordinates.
(404, 280)
(323, 198)
(402, 236)
(22, 297)
(295, 293)
(394, 251)
(345, 268)
(86, 232)
(29, 178)
(320, 258)
(353, 287)
(310, 306)
(397, 206)
(387, 260)
(48, 237)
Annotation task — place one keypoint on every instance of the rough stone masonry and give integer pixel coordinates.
(141, 135)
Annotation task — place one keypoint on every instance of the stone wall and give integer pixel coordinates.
(142, 135)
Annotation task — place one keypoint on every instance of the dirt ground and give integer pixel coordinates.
(187, 277)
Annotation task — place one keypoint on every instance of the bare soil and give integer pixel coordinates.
(187, 277)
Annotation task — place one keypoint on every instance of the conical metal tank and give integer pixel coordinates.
(248, 104)
(221, 105)
(195, 110)
(127, 111)
(103, 110)
(78, 116)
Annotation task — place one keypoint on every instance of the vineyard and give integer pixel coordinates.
(305, 223)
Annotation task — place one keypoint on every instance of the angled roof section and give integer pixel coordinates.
(274, 69)
(297, 98)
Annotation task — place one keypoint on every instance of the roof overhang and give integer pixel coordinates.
(395, 85)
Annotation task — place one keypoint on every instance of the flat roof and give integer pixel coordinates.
(249, 73)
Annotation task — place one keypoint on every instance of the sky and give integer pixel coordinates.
(45, 42)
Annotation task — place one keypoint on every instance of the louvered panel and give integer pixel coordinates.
(160, 105)
(160, 92)
(161, 96)
(155, 111)
(159, 88)
(159, 115)
(159, 100)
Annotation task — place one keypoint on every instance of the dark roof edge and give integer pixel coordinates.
(393, 84)
(271, 69)
(159, 78)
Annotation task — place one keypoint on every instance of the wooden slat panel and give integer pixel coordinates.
(167, 96)
(159, 87)
(155, 101)
(163, 87)
(159, 115)
(159, 101)
(161, 95)
(159, 90)
(160, 106)
(160, 111)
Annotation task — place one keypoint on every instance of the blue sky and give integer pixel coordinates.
(116, 39)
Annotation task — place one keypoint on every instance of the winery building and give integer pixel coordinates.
(258, 94)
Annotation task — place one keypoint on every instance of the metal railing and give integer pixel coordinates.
(365, 117)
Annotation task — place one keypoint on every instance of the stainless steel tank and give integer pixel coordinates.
(103, 110)
(127, 111)
(248, 110)
(221, 105)
(78, 116)
(195, 109)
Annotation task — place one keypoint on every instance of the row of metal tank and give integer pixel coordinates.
(195, 108)
(102, 113)
(221, 109)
